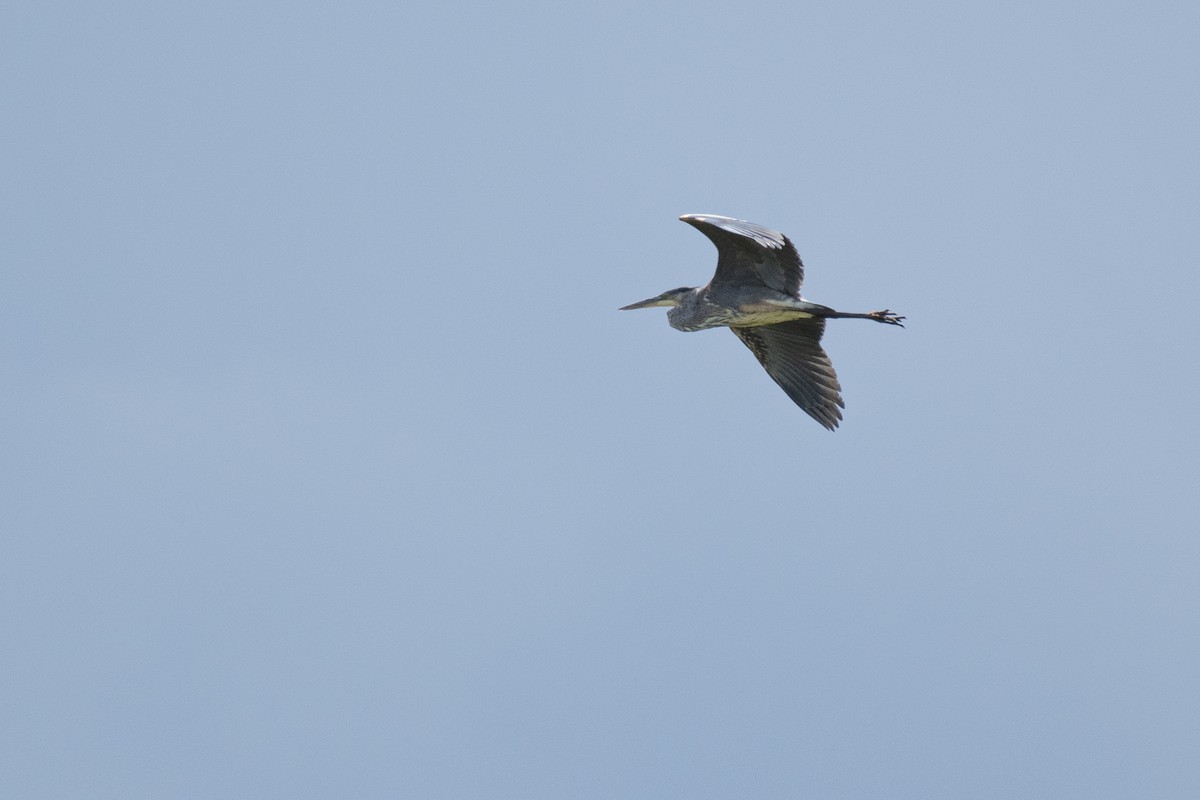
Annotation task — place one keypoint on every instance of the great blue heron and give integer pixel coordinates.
(756, 294)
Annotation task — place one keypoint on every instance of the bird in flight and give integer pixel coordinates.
(756, 294)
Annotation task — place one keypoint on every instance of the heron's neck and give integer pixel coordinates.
(695, 312)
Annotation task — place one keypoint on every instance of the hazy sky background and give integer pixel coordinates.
(331, 470)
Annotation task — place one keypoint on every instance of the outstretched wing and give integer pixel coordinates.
(791, 353)
(750, 255)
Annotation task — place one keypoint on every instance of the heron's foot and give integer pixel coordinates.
(888, 317)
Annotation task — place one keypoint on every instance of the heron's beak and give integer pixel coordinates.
(651, 303)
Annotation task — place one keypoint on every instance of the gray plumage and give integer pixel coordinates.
(756, 293)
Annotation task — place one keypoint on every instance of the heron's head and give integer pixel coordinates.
(669, 299)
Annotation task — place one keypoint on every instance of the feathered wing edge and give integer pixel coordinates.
(792, 355)
(750, 254)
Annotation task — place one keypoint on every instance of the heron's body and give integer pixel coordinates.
(756, 293)
(705, 309)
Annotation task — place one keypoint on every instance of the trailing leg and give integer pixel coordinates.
(884, 316)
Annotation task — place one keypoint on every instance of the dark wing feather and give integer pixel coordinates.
(750, 255)
(791, 353)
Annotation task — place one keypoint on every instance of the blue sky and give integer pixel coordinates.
(331, 469)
